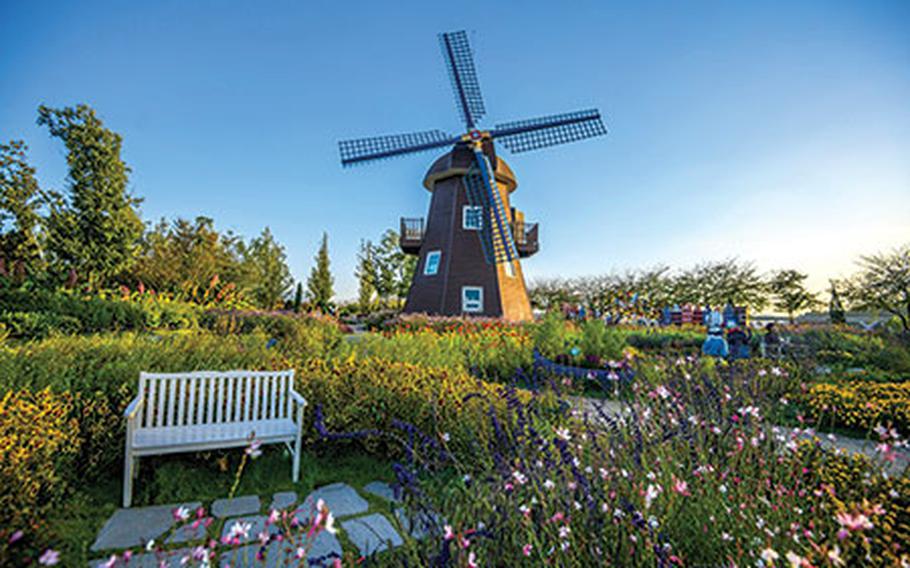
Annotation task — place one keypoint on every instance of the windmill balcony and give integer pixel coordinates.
(414, 229)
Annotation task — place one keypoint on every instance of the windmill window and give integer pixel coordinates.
(472, 218)
(431, 264)
(472, 299)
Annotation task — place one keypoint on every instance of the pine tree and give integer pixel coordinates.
(298, 298)
(835, 306)
(319, 284)
(20, 198)
(94, 228)
(366, 277)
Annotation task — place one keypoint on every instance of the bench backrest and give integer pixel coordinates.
(213, 397)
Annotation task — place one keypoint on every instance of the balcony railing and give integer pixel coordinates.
(413, 231)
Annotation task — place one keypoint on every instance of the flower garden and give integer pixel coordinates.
(683, 460)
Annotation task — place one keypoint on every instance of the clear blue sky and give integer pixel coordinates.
(775, 131)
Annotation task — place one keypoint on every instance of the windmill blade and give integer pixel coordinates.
(460, 64)
(495, 232)
(380, 147)
(535, 133)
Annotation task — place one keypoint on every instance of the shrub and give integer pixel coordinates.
(38, 440)
(317, 336)
(101, 374)
(494, 353)
(358, 394)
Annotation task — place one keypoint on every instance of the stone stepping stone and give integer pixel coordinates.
(246, 505)
(371, 534)
(418, 525)
(187, 532)
(256, 522)
(323, 550)
(171, 559)
(340, 498)
(381, 489)
(135, 527)
(283, 500)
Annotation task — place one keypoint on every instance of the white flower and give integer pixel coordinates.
(564, 434)
(650, 494)
(769, 555)
(330, 523)
(240, 530)
(547, 484)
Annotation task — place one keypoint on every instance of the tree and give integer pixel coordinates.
(366, 277)
(270, 277)
(719, 282)
(835, 306)
(298, 298)
(883, 283)
(180, 255)
(790, 294)
(94, 228)
(20, 199)
(319, 284)
(394, 268)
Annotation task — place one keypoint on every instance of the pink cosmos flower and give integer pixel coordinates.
(449, 534)
(472, 560)
(526, 549)
(111, 562)
(680, 487)
(181, 514)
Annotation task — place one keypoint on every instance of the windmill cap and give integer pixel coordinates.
(458, 161)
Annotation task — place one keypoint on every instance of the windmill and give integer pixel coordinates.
(470, 246)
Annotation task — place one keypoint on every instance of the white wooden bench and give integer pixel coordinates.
(206, 410)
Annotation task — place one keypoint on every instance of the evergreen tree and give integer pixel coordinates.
(20, 198)
(94, 228)
(835, 306)
(366, 277)
(319, 284)
(267, 265)
(298, 298)
(790, 294)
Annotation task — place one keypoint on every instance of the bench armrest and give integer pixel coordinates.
(298, 398)
(133, 408)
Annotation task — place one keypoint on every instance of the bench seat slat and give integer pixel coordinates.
(187, 438)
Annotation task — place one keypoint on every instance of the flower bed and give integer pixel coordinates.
(861, 404)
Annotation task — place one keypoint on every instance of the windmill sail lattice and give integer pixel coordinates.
(495, 232)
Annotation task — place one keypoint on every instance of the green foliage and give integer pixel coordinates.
(883, 283)
(298, 297)
(601, 342)
(20, 198)
(31, 312)
(320, 282)
(295, 333)
(553, 335)
(366, 277)
(267, 269)
(643, 293)
(393, 269)
(93, 229)
(790, 293)
(178, 255)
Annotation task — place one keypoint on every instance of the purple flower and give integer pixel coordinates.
(50, 557)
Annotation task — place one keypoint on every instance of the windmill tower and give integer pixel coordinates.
(472, 240)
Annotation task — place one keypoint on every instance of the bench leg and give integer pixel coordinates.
(295, 472)
(128, 467)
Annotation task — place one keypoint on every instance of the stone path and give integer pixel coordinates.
(244, 519)
(613, 409)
